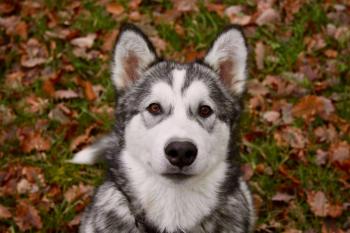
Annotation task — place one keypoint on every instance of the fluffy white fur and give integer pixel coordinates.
(88, 155)
(230, 46)
(129, 42)
(171, 204)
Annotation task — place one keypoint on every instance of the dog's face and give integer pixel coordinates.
(178, 117)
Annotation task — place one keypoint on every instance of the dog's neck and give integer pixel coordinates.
(173, 206)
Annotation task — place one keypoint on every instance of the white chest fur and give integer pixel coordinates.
(173, 205)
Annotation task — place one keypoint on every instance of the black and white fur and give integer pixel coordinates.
(143, 191)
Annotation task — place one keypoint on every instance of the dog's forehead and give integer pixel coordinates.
(180, 76)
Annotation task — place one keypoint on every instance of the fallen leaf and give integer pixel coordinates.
(185, 5)
(135, 16)
(84, 42)
(7, 115)
(259, 55)
(218, 8)
(268, 16)
(159, 43)
(293, 137)
(312, 105)
(34, 54)
(48, 87)
(271, 116)
(35, 104)
(115, 8)
(331, 53)
(109, 40)
(4, 212)
(58, 114)
(75, 221)
(80, 191)
(247, 171)
(83, 139)
(6, 7)
(318, 203)
(22, 30)
(292, 231)
(283, 197)
(88, 89)
(33, 140)
(321, 157)
(134, 4)
(65, 94)
(27, 216)
(339, 154)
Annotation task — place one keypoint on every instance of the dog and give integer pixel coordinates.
(173, 156)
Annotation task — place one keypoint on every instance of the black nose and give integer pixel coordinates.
(181, 154)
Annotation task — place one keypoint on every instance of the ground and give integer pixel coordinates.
(56, 97)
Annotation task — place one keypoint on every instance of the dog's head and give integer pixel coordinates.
(177, 119)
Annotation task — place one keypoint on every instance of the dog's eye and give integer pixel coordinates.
(205, 111)
(154, 109)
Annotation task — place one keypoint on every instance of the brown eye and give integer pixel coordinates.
(205, 111)
(154, 109)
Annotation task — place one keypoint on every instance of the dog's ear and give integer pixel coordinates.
(132, 54)
(228, 57)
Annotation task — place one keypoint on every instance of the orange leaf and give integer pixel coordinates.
(27, 216)
(115, 8)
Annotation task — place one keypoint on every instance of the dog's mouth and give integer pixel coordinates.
(177, 176)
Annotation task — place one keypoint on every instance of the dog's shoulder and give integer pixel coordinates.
(108, 211)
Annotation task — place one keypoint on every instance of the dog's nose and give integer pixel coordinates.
(181, 154)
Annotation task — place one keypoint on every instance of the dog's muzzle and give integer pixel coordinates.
(181, 154)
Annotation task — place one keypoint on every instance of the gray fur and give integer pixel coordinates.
(116, 208)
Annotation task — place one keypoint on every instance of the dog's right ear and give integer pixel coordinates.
(132, 54)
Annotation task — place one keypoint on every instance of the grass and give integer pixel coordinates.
(200, 29)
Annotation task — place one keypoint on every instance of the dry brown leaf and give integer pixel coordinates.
(34, 54)
(35, 104)
(259, 55)
(321, 157)
(185, 5)
(331, 53)
(59, 115)
(27, 216)
(292, 231)
(311, 105)
(218, 8)
(134, 4)
(88, 88)
(159, 43)
(22, 30)
(135, 16)
(115, 8)
(283, 197)
(318, 203)
(33, 140)
(6, 7)
(268, 16)
(291, 7)
(82, 139)
(293, 137)
(84, 42)
(271, 116)
(65, 94)
(4, 212)
(339, 152)
(247, 171)
(109, 40)
(78, 191)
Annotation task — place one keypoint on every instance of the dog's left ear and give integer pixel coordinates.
(228, 56)
(133, 53)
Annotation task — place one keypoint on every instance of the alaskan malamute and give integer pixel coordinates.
(173, 156)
